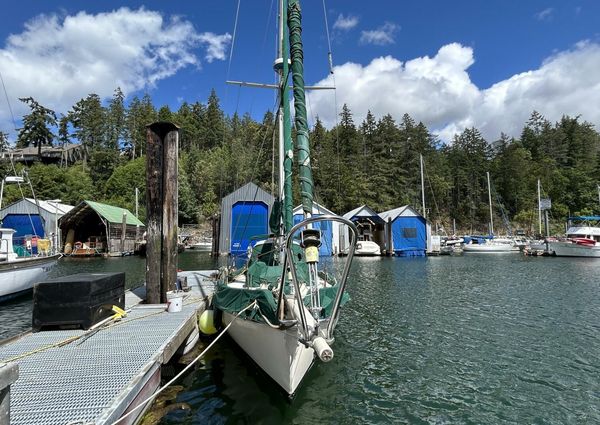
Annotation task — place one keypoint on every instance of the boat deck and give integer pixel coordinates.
(94, 377)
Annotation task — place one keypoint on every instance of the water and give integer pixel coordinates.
(472, 339)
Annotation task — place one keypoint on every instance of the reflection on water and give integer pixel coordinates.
(438, 340)
(472, 339)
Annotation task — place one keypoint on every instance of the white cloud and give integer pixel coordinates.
(380, 36)
(438, 91)
(60, 60)
(216, 45)
(545, 15)
(345, 23)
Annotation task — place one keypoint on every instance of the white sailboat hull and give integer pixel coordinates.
(489, 248)
(277, 352)
(20, 275)
(570, 249)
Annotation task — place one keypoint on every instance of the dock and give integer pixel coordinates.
(83, 377)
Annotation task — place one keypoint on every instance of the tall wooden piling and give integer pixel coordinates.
(161, 206)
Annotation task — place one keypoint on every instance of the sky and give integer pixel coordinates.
(452, 65)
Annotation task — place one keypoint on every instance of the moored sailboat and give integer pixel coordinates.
(18, 273)
(291, 307)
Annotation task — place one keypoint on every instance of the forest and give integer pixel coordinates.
(374, 162)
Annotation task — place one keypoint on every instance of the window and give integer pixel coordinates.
(409, 232)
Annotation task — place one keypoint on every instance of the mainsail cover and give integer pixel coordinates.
(302, 142)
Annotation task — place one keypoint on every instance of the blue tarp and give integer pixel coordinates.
(21, 223)
(326, 248)
(248, 219)
(410, 236)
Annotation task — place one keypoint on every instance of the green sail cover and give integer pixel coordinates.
(327, 296)
(233, 300)
(302, 143)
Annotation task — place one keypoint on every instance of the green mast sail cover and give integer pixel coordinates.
(302, 143)
(288, 149)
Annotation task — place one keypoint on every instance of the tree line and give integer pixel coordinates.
(375, 162)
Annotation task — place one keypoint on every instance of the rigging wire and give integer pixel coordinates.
(8, 103)
(254, 171)
(335, 102)
(329, 54)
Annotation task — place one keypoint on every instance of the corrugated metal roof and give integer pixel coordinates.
(114, 214)
(247, 193)
(405, 211)
(362, 211)
(317, 209)
(52, 207)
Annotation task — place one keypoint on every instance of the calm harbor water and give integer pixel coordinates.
(472, 339)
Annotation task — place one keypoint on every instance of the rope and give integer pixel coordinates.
(153, 396)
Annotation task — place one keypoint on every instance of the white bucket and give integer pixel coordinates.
(174, 301)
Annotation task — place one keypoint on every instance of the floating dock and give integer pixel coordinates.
(83, 377)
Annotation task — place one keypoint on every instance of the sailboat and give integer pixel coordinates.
(491, 245)
(18, 273)
(296, 305)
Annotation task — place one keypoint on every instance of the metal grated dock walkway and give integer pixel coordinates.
(94, 379)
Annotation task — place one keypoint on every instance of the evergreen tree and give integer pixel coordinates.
(36, 131)
(116, 120)
(214, 123)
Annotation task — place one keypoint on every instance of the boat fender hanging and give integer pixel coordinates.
(206, 322)
(323, 350)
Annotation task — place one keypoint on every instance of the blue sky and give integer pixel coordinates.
(449, 64)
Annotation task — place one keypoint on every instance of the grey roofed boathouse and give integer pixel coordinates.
(244, 214)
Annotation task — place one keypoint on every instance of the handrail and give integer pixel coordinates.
(289, 254)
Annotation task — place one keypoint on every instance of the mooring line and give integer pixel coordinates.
(153, 396)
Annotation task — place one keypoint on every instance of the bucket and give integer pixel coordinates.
(174, 301)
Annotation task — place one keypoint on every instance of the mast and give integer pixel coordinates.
(288, 153)
(302, 142)
(490, 201)
(540, 206)
(422, 188)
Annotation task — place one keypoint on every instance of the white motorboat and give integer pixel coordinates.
(367, 248)
(281, 307)
(582, 241)
(203, 245)
(19, 274)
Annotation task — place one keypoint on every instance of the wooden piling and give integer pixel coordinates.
(123, 232)
(162, 207)
(388, 239)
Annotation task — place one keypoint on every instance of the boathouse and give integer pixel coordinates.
(92, 228)
(408, 231)
(28, 220)
(330, 231)
(244, 215)
(370, 226)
